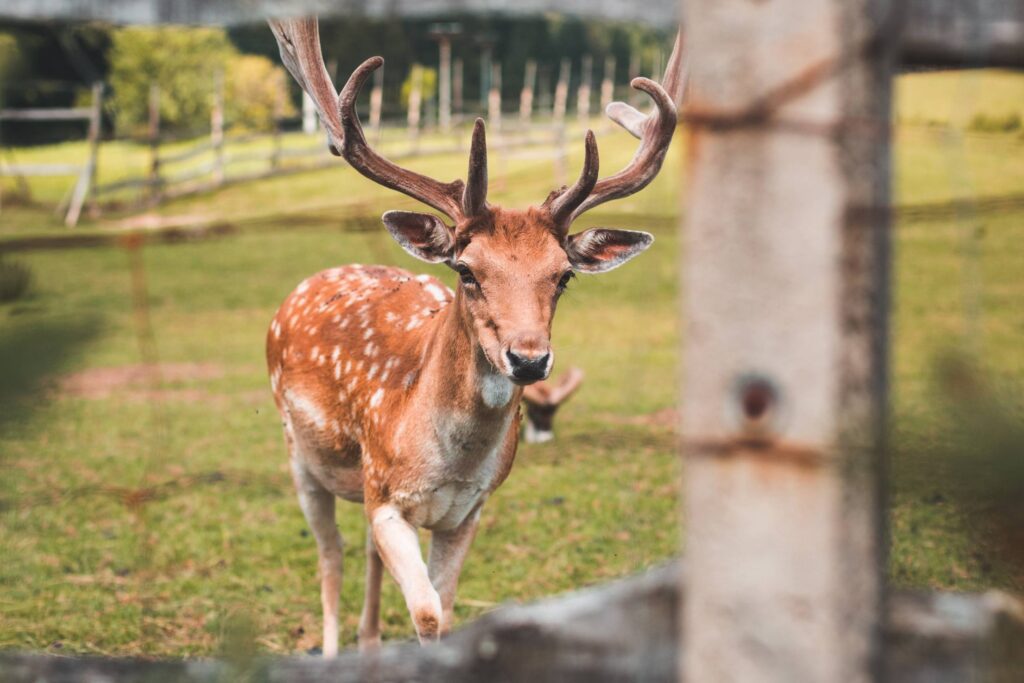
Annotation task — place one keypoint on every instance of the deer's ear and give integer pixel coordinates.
(600, 249)
(421, 234)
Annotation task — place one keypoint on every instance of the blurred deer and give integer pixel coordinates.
(543, 399)
(396, 392)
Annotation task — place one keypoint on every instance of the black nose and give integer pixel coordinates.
(527, 368)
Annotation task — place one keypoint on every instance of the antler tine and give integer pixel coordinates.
(299, 42)
(674, 80)
(565, 203)
(445, 197)
(654, 131)
(474, 198)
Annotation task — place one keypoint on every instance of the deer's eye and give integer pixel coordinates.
(466, 276)
(563, 284)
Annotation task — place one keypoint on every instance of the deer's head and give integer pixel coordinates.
(513, 264)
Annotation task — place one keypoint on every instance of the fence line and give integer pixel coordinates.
(86, 173)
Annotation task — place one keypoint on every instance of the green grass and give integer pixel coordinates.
(218, 539)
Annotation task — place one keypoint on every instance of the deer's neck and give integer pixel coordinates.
(458, 376)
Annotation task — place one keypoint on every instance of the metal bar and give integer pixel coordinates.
(786, 301)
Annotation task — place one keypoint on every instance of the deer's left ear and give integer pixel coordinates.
(600, 249)
(423, 235)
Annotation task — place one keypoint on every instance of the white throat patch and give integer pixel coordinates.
(496, 390)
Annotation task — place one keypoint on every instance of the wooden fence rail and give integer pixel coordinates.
(86, 173)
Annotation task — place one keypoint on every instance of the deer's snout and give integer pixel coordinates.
(529, 358)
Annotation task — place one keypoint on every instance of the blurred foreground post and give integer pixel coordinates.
(787, 295)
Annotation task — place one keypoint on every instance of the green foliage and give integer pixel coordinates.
(184, 62)
(255, 93)
(427, 79)
(11, 62)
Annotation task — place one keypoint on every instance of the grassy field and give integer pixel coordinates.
(155, 515)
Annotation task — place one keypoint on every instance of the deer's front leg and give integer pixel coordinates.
(399, 549)
(448, 550)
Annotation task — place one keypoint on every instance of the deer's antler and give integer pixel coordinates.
(299, 42)
(653, 130)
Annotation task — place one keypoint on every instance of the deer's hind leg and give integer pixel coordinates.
(317, 505)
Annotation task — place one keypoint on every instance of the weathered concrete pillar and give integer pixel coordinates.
(786, 305)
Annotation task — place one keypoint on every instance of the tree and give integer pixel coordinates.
(184, 62)
(255, 93)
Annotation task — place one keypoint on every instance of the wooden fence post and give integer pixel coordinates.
(583, 94)
(457, 89)
(526, 95)
(309, 118)
(377, 103)
(608, 83)
(279, 95)
(87, 178)
(415, 100)
(444, 115)
(153, 181)
(561, 92)
(635, 64)
(786, 302)
(494, 99)
(558, 113)
(217, 128)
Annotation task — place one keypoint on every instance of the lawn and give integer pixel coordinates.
(153, 514)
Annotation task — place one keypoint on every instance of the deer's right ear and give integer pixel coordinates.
(423, 235)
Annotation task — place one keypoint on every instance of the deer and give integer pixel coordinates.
(401, 395)
(543, 399)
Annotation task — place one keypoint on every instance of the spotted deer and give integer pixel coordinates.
(400, 394)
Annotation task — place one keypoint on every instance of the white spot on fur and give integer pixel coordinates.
(304, 406)
(436, 292)
(376, 398)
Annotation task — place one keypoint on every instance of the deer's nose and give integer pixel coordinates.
(529, 364)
